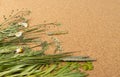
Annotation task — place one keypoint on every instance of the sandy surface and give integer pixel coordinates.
(93, 25)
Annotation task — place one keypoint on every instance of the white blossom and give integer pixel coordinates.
(18, 34)
(19, 50)
(23, 24)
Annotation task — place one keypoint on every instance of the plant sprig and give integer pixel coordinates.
(19, 59)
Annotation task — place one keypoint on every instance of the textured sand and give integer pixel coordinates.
(93, 25)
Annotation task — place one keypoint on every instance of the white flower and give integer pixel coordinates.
(23, 24)
(19, 50)
(18, 34)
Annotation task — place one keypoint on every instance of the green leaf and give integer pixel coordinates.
(88, 66)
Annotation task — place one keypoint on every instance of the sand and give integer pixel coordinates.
(93, 25)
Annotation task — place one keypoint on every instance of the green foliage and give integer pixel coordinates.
(88, 66)
(16, 34)
(36, 64)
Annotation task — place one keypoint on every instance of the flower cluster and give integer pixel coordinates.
(20, 33)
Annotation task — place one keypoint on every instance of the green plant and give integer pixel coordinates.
(19, 59)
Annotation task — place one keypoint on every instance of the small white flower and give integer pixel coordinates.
(19, 50)
(23, 24)
(18, 34)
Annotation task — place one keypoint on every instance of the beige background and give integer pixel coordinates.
(93, 25)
